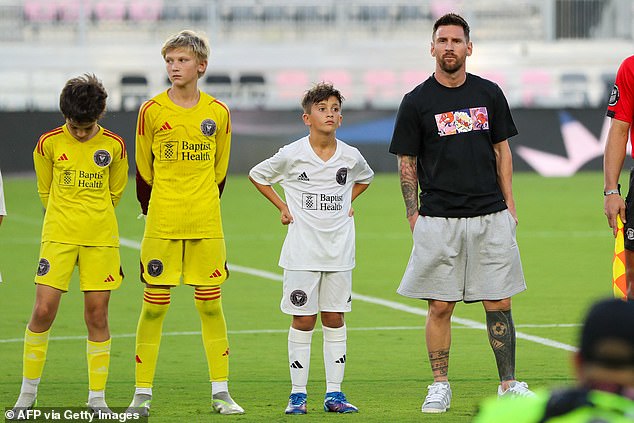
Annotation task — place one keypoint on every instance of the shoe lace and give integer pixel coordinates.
(521, 389)
(297, 399)
(436, 393)
(337, 397)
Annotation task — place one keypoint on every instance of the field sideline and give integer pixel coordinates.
(566, 249)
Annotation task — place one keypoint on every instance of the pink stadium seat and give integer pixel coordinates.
(536, 84)
(381, 86)
(291, 84)
(110, 10)
(411, 79)
(69, 10)
(145, 10)
(341, 79)
(40, 10)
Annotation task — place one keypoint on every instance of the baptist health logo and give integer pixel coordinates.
(581, 147)
(323, 202)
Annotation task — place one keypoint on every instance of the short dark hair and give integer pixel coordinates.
(451, 19)
(320, 92)
(83, 99)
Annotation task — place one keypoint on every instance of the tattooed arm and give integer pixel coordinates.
(409, 186)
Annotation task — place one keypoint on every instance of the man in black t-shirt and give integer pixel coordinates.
(451, 139)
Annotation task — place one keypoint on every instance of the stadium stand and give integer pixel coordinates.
(219, 85)
(373, 50)
(134, 90)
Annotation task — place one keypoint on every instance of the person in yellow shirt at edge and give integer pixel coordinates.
(183, 140)
(82, 170)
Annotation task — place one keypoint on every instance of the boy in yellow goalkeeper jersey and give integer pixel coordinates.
(82, 170)
(182, 154)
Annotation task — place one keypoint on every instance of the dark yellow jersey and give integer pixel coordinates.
(79, 184)
(182, 156)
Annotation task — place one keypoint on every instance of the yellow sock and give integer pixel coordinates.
(156, 302)
(214, 329)
(35, 347)
(98, 355)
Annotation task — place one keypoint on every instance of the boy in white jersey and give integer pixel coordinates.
(82, 170)
(321, 176)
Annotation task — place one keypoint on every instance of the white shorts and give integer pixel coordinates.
(464, 259)
(306, 293)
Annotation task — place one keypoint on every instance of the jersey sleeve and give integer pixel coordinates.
(407, 129)
(43, 164)
(621, 105)
(502, 124)
(223, 149)
(363, 172)
(144, 157)
(271, 170)
(118, 172)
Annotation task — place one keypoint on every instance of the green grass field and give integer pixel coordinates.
(566, 248)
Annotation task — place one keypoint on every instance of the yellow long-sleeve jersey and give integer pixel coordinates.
(79, 184)
(182, 156)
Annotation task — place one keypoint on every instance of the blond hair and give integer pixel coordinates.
(197, 43)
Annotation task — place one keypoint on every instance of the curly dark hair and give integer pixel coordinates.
(320, 92)
(451, 19)
(83, 99)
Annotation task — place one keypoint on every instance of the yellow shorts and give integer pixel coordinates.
(99, 267)
(201, 262)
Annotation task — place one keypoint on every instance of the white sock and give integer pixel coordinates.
(299, 358)
(217, 387)
(29, 386)
(96, 394)
(334, 357)
(144, 391)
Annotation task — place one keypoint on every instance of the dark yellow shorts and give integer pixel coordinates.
(99, 267)
(200, 262)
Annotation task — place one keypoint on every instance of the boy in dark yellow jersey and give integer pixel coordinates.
(182, 154)
(82, 170)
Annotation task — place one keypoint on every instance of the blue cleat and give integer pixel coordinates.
(336, 402)
(296, 404)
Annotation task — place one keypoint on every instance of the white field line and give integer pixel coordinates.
(390, 304)
(359, 297)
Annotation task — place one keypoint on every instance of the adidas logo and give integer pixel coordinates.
(109, 279)
(62, 157)
(341, 360)
(166, 126)
(226, 353)
(303, 177)
(138, 359)
(296, 365)
(215, 274)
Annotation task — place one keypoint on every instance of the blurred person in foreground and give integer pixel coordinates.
(621, 112)
(183, 141)
(604, 367)
(82, 170)
(451, 140)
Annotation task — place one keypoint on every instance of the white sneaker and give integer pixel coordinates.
(223, 403)
(438, 398)
(516, 389)
(26, 401)
(98, 407)
(140, 405)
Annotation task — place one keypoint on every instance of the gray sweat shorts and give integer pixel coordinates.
(464, 259)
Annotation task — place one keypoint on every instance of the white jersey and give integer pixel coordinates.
(3, 208)
(319, 197)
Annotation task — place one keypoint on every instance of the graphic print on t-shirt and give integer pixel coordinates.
(464, 120)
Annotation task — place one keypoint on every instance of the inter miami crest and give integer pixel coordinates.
(43, 267)
(342, 176)
(298, 298)
(102, 158)
(208, 127)
(614, 96)
(155, 267)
